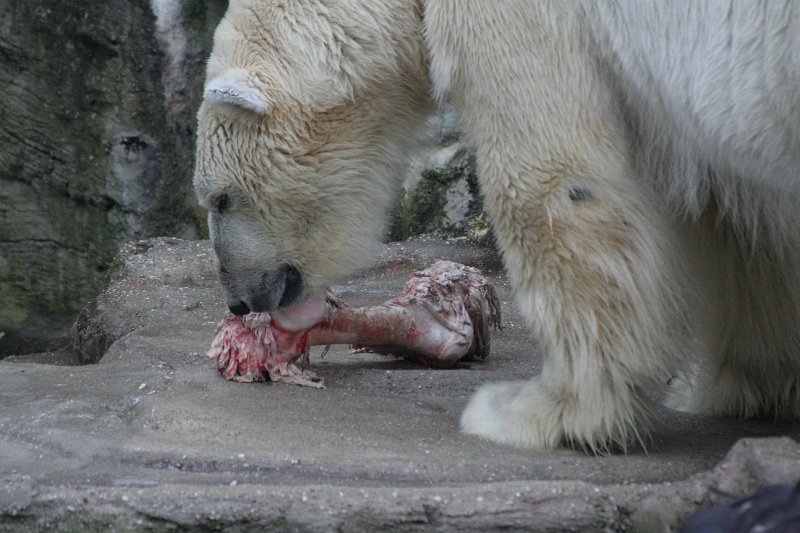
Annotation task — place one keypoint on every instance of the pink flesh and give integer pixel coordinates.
(253, 347)
(442, 317)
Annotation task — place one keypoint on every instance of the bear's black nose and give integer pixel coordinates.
(239, 309)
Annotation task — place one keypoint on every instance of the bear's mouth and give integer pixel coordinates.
(302, 314)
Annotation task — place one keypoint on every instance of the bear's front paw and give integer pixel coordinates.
(535, 414)
(514, 413)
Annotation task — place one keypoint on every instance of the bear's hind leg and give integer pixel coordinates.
(751, 335)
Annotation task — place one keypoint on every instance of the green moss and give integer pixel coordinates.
(480, 222)
(421, 209)
(13, 316)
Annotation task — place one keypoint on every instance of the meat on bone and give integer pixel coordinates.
(442, 317)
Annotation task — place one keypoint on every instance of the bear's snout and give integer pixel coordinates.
(276, 289)
(292, 286)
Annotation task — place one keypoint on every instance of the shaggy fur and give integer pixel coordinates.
(304, 128)
(640, 163)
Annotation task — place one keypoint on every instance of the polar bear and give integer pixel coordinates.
(640, 162)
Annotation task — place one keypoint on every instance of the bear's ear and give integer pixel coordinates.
(236, 88)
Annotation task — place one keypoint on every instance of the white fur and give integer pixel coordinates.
(640, 162)
(310, 181)
(236, 90)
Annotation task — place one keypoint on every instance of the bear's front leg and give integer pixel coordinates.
(589, 249)
(598, 278)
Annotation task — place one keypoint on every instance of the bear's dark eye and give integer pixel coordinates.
(221, 202)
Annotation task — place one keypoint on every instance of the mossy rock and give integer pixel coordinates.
(445, 200)
(96, 148)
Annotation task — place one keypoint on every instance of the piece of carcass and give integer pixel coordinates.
(443, 316)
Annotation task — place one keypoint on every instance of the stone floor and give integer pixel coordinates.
(150, 437)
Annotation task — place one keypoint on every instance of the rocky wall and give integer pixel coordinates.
(97, 133)
(440, 191)
(97, 105)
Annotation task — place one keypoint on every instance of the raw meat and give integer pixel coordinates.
(443, 316)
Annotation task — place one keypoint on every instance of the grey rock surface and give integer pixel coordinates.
(440, 192)
(150, 437)
(97, 125)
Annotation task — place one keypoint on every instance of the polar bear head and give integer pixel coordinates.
(309, 107)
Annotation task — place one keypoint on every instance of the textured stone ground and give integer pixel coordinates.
(151, 437)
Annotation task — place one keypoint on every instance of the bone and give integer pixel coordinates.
(443, 316)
